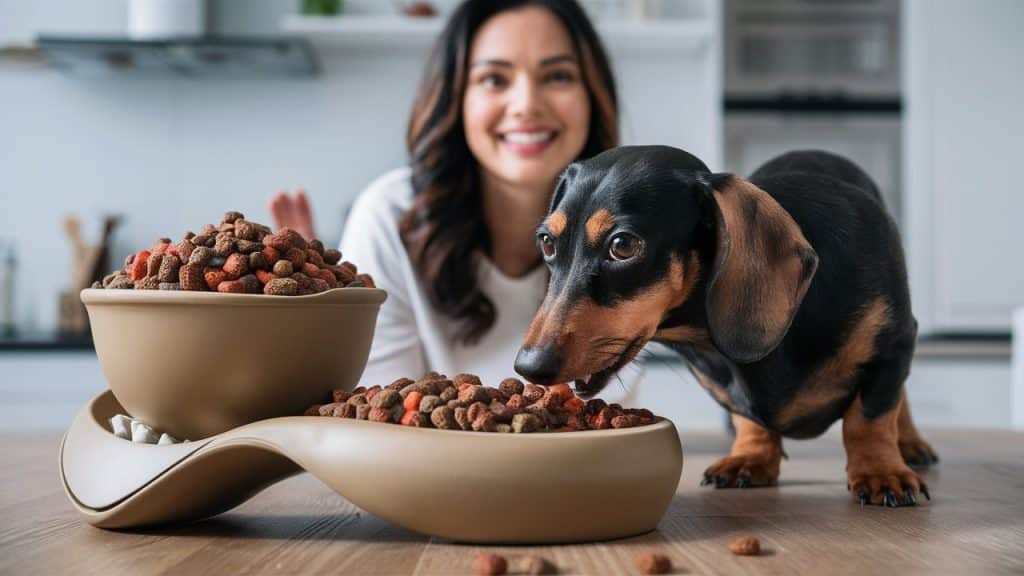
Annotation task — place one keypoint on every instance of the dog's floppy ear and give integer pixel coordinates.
(563, 182)
(763, 267)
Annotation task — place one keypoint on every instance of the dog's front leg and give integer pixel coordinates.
(875, 470)
(753, 461)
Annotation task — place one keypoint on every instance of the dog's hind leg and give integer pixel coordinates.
(875, 470)
(914, 449)
(753, 461)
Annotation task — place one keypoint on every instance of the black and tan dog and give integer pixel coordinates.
(786, 293)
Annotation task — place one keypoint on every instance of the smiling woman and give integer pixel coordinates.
(513, 92)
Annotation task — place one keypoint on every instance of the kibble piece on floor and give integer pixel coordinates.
(745, 546)
(535, 565)
(143, 433)
(490, 565)
(653, 563)
(121, 425)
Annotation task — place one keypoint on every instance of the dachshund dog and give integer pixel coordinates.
(786, 293)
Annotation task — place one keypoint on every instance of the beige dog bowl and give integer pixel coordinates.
(195, 364)
(466, 486)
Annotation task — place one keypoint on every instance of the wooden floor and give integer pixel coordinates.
(974, 525)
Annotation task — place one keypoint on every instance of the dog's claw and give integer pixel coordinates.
(743, 482)
(924, 490)
(706, 480)
(908, 494)
(720, 482)
(862, 496)
(889, 499)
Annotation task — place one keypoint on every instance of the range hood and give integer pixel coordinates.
(205, 57)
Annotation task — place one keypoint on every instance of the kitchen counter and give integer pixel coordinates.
(808, 524)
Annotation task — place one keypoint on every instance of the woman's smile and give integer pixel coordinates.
(529, 141)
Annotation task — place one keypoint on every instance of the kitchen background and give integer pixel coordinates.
(98, 121)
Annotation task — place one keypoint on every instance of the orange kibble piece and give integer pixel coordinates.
(328, 277)
(213, 277)
(139, 266)
(574, 405)
(490, 565)
(653, 563)
(271, 254)
(745, 546)
(561, 391)
(407, 418)
(231, 287)
(412, 401)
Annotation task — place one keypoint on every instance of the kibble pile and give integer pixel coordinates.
(239, 257)
(463, 403)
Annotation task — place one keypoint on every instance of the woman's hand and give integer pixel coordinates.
(293, 212)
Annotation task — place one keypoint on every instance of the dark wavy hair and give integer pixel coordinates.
(445, 226)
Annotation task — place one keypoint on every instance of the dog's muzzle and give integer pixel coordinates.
(539, 364)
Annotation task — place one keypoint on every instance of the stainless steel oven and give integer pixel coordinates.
(844, 48)
(815, 74)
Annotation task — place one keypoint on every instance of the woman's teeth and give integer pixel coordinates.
(527, 137)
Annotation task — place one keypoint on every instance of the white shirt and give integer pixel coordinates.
(412, 337)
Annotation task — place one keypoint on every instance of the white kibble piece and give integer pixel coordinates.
(166, 438)
(143, 433)
(122, 426)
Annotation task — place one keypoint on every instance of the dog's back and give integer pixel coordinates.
(840, 211)
(821, 163)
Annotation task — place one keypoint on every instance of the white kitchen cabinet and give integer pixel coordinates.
(964, 86)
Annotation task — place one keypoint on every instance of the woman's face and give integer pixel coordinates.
(526, 110)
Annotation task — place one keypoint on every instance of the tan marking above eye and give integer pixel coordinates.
(598, 224)
(557, 222)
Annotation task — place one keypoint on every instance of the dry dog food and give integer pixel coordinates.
(238, 257)
(464, 403)
(490, 565)
(745, 546)
(652, 563)
(494, 564)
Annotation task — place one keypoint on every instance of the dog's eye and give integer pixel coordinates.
(547, 246)
(623, 246)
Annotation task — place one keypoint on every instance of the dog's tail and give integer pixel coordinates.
(820, 162)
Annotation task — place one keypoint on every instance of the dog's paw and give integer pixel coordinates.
(743, 471)
(916, 452)
(890, 484)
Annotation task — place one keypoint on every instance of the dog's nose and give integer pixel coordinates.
(539, 364)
